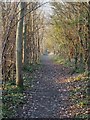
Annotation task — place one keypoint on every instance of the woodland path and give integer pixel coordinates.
(49, 95)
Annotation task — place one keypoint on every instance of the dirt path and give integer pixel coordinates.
(49, 94)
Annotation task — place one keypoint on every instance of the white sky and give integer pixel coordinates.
(46, 8)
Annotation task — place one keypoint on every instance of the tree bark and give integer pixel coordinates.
(76, 57)
(19, 34)
(88, 61)
(24, 43)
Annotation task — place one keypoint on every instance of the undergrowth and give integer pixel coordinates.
(13, 97)
(65, 62)
(79, 86)
(79, 96)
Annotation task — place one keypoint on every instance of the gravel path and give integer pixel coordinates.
(49, 95)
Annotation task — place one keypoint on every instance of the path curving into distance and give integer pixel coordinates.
(49, 94)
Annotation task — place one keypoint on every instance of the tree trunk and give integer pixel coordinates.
(24, 43)
(76, 57)
(81, 62)
(24, 36)
(19, 34)
(88, 61)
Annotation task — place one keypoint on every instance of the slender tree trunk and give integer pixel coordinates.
(81, 62)
(33, 36)
(76, 57)
(24, 36)
(24, 43)
(19, 34)
(38, 45)
(88, 61)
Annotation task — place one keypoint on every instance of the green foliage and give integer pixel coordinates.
(59, 60)
(79, 96)
(30, 67)
(64, 61)
(69, 33)
(82, 116)
(14, 97)
(79, 70)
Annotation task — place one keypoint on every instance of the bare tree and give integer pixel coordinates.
(19, 40)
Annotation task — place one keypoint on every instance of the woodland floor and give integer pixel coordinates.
(49, 95)
(54, 93)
